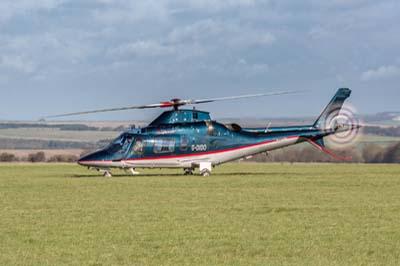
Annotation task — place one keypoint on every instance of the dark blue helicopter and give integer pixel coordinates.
(190, 139)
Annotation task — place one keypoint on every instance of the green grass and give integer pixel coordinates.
(244, 214)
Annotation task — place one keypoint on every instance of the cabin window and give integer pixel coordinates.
(184, 143)
(164, 145)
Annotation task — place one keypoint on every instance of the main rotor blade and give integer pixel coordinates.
(174, 103)
(241, 97)
(110, 110)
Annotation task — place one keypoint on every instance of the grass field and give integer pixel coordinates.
(244, 214)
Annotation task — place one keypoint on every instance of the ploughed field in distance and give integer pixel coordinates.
(245, 214)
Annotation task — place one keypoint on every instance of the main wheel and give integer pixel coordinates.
(188, 171)
(205, 172)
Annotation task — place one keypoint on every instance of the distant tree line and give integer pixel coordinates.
(368, 153)
(383, 131)
(373, 153)
(38, 157)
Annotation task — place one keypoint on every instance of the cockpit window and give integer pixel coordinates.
(138, 147)
(120, 145)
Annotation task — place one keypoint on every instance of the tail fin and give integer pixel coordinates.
(333, 107)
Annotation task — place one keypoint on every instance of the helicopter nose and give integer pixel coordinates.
(83, 160)
(87, 160)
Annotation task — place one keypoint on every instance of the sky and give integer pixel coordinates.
(60, 56)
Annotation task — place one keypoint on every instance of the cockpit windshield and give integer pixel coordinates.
(120, 145)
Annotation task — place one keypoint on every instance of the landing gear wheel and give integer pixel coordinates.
(133, 172)
(107, 174)
(188, 171)
(205, 168)
(205, 173)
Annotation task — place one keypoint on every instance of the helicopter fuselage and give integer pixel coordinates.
(190, 139)
(187, 145)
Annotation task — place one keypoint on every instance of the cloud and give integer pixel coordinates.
(240, 68)
(265, 38)
(319, 32)
(249, 70)
(220, 33)
(256, 38)
(196, 32)
(347, 3)
(146, 48)
(127, 12)
(216, 5)
(202, 39)
(383, 72)
(45, 53)
(11, 8)
(340, 4)
(17, 64)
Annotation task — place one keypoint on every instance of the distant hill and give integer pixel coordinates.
(384, 118)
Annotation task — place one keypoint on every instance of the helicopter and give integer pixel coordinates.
(189, 139)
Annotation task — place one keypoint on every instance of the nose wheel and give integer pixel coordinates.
(107, 173)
